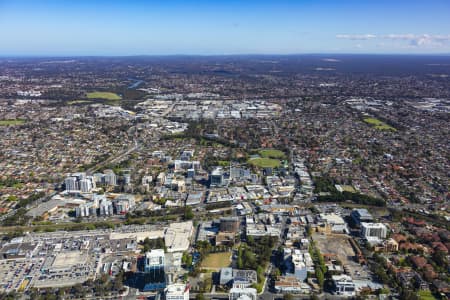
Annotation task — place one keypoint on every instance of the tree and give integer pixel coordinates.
(408, 295)
(320, 277)
(186, 259)
(188, 214)
(288, 297)
(309, 231)
(200, 296)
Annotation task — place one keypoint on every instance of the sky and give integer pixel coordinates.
(216, 27)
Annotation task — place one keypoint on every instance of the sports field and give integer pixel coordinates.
(103, 95)
(12, 122)
(263, 162)
(272, 153)
(380, 125)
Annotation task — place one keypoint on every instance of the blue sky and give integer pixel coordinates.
(96, 27)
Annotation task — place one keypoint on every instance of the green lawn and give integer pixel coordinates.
(223, 163)
(73, 102)
(426, 295)
(272, 153)
(348, 188)
(380, 125)
(216, 260)
(265, 162)
(12, 122)
(103, 95)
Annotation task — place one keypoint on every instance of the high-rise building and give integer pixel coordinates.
(77, 182)
(105, 207)
(127, 179)
(154, 260)
(124, 203)
(216, 177)
(85, 185)
(370, 230)
(110, 178)
(71, 184)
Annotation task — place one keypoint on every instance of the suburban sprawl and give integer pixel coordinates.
(240, 178)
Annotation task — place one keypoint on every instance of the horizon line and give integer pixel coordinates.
(3, 56)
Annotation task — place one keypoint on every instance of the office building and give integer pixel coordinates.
(370, 230)
(191, 173)
(217, 177)
(343, 285)
(361, 215)
(154, 260)
(242, 293)
(229, 224)
(177, 291)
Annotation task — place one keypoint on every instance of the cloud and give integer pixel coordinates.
(411, 40)
(420, 40)
(356, 37)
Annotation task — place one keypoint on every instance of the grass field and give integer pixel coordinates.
(272, 153)
(263, 162)
(426, 295)
(348, 188)
(380, 125)
(216, 260)
(78, 102)
(12, 122)
(103, 95)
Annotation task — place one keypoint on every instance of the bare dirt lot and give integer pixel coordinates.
(337, 244)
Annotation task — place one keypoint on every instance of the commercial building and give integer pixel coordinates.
(371, 230)
(217, 177)
(301, 263)
(230, 224)
(177, 292)
(291, 285)
(154, 260)
(360, 215)
(183, 165)
(343, 285)
(177, 236)
(331, 223)
(242, 293)
(226, 276)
